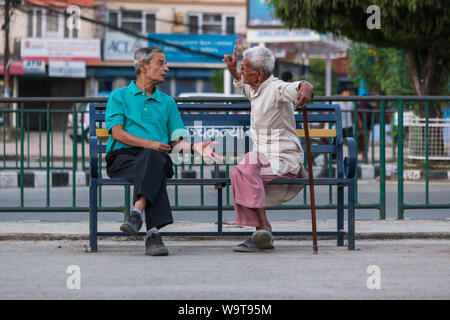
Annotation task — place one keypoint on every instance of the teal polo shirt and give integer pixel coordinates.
(154, 117)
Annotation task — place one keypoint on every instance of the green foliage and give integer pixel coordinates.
(420, 27)
(425, 23)
(217, 80)
(383, 70)
(317, 77)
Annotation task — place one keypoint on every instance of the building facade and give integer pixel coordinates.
(52, 54)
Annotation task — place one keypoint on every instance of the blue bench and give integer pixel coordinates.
(317, 113)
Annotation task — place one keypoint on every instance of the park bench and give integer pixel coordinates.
(222, 120)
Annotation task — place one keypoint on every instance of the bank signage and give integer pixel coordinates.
(215, 44)
(67, 69)
(34, 66)
(121, 47)
(60, 49)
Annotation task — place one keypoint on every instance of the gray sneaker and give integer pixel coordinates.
(154, 245)
(133, 224)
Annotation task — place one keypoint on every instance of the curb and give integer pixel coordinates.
(358, 236)
(37, 179)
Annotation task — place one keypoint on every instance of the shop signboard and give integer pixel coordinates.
(67, 69)
(214, 44)
(282, 35)
(121, 47)
(260, 15)
(60, 49)
(34, 66)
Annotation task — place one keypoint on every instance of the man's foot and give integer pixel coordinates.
(133, 224)
(154, 245)
(263, 239)
(249, 246)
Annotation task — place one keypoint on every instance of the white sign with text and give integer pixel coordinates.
(67, 69)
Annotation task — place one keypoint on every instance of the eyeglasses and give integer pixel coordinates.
(248, 71)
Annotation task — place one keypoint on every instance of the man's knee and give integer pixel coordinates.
(153, 157)
(150, 152)
(250, 158)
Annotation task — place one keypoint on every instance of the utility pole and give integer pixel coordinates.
(6, 54)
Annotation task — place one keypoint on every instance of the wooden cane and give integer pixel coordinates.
(310, 176)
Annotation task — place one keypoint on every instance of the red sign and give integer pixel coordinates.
(16, 67)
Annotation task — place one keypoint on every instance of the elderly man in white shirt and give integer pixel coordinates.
(277, 152)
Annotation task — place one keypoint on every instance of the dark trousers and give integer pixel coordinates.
(148, 170)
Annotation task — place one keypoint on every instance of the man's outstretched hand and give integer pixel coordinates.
(304, 95)
(204, 148)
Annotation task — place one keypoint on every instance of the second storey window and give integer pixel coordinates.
(135, 21)
(211, 23)
(48, 24)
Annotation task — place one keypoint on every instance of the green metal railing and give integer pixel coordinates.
(17, 154)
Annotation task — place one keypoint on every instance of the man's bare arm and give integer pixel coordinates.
(119, 134)
(231, 61)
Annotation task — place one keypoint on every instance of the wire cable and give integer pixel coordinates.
(128, 32)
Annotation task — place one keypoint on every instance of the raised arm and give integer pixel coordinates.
(231, 61)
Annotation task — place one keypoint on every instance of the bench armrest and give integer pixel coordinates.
(350, 161)
(93, 165)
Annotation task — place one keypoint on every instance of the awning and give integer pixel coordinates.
(16, 67)
(129, 73)
(60, 3)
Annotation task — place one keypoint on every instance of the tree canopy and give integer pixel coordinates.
(383, 70)
(419, 27)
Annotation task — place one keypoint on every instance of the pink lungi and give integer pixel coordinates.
(247, 181)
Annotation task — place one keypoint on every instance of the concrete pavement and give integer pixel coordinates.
(394, 259)
(393, 269)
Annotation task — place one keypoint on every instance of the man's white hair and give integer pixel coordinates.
(261, 58)
(144, 54)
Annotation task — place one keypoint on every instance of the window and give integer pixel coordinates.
(193, 25)
(229, 27)
(150, 23)
(52, 22)
(48, 24)
(211, 23)
(134, 21)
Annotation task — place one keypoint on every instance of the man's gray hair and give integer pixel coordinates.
(261, 58)
(144, 54)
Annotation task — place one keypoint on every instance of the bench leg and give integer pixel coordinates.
(340, 215)
(351, 215)
(93, 215)
(219, 210)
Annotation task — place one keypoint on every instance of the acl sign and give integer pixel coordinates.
(120, 47)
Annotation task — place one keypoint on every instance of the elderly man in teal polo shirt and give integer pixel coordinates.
(145, 125)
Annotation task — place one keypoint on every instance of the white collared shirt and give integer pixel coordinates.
(272, 123)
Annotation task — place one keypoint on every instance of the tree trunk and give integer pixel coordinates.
(424, 74)
(423, 71)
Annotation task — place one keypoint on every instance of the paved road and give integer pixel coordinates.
(408, 269)
(368, 193)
